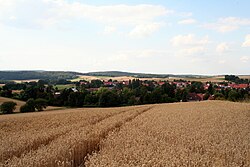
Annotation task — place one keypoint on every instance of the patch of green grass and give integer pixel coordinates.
(76, 79)
(61, 87)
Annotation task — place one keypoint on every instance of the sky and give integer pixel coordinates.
(206, 37)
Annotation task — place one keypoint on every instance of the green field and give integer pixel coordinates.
(61, 87)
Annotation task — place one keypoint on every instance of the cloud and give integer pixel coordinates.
(186, 14)
(145, 53)
(193, 51)
(222, 47)
(247, 41)
(222, 61)
(144, 30)
(187, 21)
(189, 39)
(115, 14)
(47, 13)
(190, 45)
(109, 29)
(244, 59)
(227, 24)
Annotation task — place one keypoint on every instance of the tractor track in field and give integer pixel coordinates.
(38, 142)
(103, 136)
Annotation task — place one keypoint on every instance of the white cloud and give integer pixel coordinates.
(190, 45)
(244, 59)
(186, 14)
(47, 13)
(187, 21)
(145, 53)
(247, 41)
(193, 51)
(227, 24)
(109, 14)
(189, 39)
(222, 47)
(222, 61)
(144, 30)
(109, 29)
(12, 17)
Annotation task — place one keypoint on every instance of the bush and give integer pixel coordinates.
(8, 107)
(31, 105)
(41, 104)
(233, 96)
(206, 96)
(27, 108)
(219, 96)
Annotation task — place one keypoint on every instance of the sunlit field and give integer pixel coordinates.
(210, 133)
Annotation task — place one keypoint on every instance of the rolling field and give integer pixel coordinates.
(210, 133)
(125, 78)
(20, 103)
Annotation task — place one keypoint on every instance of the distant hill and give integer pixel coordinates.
(120, 74)
(28, 75)
(140, 75)
(53, 75)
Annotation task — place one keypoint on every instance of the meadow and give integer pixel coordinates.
(209, 133)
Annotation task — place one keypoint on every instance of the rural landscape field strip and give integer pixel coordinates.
(186, 134)
(71, 148)
(20, 134)
(211, 133)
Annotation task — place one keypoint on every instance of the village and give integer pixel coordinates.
(177, 84)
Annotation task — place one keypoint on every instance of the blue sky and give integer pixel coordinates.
(179, 37)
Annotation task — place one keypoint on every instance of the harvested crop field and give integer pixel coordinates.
(211, 133)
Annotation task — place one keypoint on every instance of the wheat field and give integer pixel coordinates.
(211, 133)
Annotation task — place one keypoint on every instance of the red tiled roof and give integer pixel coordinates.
(238, 86)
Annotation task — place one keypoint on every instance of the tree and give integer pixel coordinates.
(6, 93)
(41, 104)
(233, 95)
(29, 106)
(8, 107)
(196, 87)
(210, 89)
(90, 99)
(26, 108)
(168, 89)
(132, 100)
(76, 99)
(178, 94)
(184, 96)
(219, 96)
(156, 95)
(108, 99)
(206, 96)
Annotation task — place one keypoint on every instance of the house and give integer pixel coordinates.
(83, 83)
(109, 83)
(125, 82)
(238, 86)
(74, 89)
(194, 97)
(161, 83)
(180, 84)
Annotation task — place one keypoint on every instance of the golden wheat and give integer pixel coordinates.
(58, 137)
(211, 133)
(187, 134)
